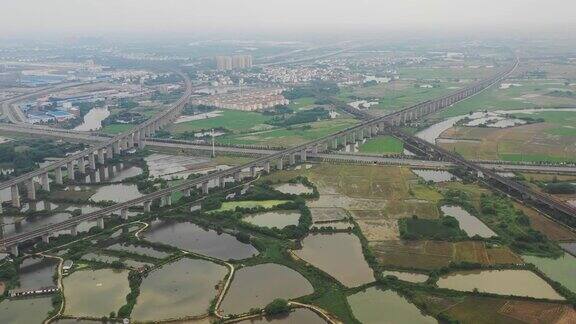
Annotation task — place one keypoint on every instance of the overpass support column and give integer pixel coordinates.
(205, 188)
(292, 159)
(315, 149)
(70, 168)
(101, 156)
(46, 238)
(74, 230)
(14, 250)
(221, 182)
(116, 146)
(186, 192)
(82, 165)
(369, 132)
(280, 164)
(31, 189)
(141, 141)
(109, 152)
(92, 161)
(253, 172)
(237, 177)
(124, 214)
(147, 206)
(15, 196)
(45, 181)
(267, 166)
(131, 140)
(58, 172)
(335, 144)
(303, 155)
(169, 200)
(100, 222)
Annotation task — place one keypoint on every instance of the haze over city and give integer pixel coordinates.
(287, 162)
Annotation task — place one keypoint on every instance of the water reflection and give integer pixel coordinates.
(29, 310)
(470, 224)
(117, 193)
(277, 218)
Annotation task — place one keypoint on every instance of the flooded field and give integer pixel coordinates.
(320, 214)
(562, 270)
(293, 188)
(502, 282)
(407, 276)
(160, 165)
(339, 255)
(30, 310)
(189, 236)
(277, 218)
(117, 193)
(296, 316)
(126, 173)
(256, 286)
(182, 288)
(93, 119)
(375, 306)
(469, 223)
(144, 250)
(435, 175)
(37, 272)
(95, 293)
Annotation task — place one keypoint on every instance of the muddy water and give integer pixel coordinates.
(375, 306)
(256, 286)
(189, 236)
(339, 255)
(470, 224)
(434, 175)
(37, 272)
(502, 282)
(293, 188)
(296, 316)
(95, 293)
(117, 193)
(144, 250)
(277, 218)
(562, 269)
(93, 119)
(11, 226)
(29, 310)
(407, 276)
(182, 288)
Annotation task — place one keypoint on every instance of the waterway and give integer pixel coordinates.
(182, 288)
(277, 218)
(189, 236)
(93, 119)
(470, 224)
(375, 306)
(256, 286)
(95, 293)
(502, 282)
(562, 269)
(339, 255)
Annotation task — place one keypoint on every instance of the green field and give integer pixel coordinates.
(428, 73)
(300, 103)
(231, 205)
(382, 145)
(233, 120)
(116, 128)
(564, 121)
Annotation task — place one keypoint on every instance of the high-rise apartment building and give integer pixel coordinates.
(224, 63)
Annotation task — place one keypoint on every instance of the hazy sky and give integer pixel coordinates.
(108, 17)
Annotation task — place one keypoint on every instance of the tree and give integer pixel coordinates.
(277, 306)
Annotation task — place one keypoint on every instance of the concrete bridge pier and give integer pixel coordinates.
(74, 230)
(58, 175)
(147, 206)
(15, 196)
(109, 152)
(267, 167)
(315, 150)
(205, 188)
(141, 140)
(14, 250)
(237, 177)
(335, 144)
(45, 181)
(253, 172)
(101, 156)
(369, 132)
(130, 140)
(70, 168)
(292, 159)
(100, 222)
(82, 165)
(92, 161)
(46, 238)
(303, 155)
(31, 189)
(124, 214)
(168, 200)
(116, 147)
(186, 192)
(221, 182)
(280, 164)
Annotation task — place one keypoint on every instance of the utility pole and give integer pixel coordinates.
(213, 148)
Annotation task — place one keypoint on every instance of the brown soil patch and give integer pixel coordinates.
(532, 312)
(551, 229)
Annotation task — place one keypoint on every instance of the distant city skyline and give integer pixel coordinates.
(37, 18)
